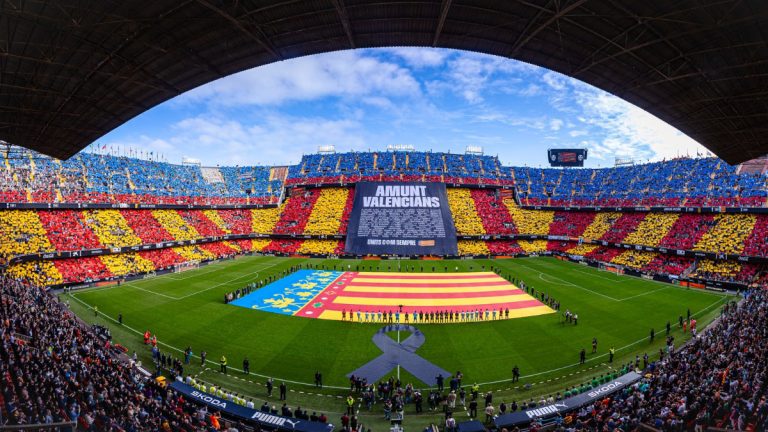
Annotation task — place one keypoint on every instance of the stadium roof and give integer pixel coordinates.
(72, 70)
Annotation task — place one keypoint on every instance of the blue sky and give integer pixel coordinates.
(433, 99)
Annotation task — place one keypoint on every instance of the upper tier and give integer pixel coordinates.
(103, 178)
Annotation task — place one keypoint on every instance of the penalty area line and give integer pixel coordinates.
(567, 283)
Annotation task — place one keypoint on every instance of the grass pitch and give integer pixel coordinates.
(187, 309)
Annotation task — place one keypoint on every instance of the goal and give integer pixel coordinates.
(189, 265)
(612, 269)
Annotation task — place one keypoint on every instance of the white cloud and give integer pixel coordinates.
(629, 131)
(275, 139)
(531, 90)
(538, 123)
(577, 133)
(555, 124)
(421, 57)
(338, 74)
(555, 80)
(470, 75)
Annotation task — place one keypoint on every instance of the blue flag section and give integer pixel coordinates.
(288, 295)
(264, 420)
(395, 218)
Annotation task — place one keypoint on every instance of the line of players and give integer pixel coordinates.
(443, 316)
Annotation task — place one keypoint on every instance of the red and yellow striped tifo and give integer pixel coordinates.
(375, 292)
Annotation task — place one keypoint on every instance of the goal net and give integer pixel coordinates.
(189, 265)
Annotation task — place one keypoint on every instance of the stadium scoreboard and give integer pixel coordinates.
(567, 157)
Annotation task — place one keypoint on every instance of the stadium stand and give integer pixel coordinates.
(22, 232)
(582, 249)
(282, 246)
(683, 181)
(232, 221)
(84, 269)
(529, 221)
(472, 247)
(504, 247)
(571, 224)
(622, 226)
(318, 246)
(325, 211)
(727, 234)
(669, 265)
(705, 384)
(263, 221)
(111, 228)
(66, 230)
(754, 244)
(127, 263)
(492, 211)
(307, 210)
(295, 213)
(42, 332)
(634, 258)
(172, 222)
(146, 226)
(465, 214)
(202, 224)
(90, 177)
(533, 246)
(328, 212)
(39, 273)
(162, 258)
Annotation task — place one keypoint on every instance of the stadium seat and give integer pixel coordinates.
(634, 258)
(652, 229)
(111, 228)
(327, 212)
(728, 233)
(172, 222)
(464, 212)
(529, 221)
(472, 247)
(21, 232)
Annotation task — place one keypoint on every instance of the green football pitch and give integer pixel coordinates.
(187, 309)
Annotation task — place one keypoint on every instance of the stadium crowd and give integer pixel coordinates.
(719, 379)
(684, 181)
(55, 369)
(110, 178)
(323, 212)
(25, 231)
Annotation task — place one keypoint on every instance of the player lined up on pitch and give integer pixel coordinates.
(430, 316)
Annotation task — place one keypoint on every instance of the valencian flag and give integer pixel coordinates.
(325, 294)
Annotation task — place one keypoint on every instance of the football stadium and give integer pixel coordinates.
(390, 289)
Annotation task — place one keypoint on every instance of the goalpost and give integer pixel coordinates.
(611, 268)
(189, 265)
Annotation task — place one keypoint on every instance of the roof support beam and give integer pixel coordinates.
(260, 39)
(524, 37)
(341, 10)
(444, 8)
